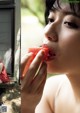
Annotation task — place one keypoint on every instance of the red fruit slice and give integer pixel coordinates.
(35, 50)
(3, 75)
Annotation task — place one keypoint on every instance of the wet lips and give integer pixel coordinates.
(35, 51)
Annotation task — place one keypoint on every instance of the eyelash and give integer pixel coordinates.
(71, 24)
(50, 20)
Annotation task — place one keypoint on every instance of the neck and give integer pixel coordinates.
(75, 84)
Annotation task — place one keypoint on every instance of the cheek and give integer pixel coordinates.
(70, 40)
(69, 45)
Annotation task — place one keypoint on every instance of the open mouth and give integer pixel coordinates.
(51, 54)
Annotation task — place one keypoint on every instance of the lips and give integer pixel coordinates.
(51, 54)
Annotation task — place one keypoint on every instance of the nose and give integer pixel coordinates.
(51, 33)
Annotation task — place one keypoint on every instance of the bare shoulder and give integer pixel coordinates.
(51, 89)
(53, 83)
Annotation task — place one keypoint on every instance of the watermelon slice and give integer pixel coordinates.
(35, 50)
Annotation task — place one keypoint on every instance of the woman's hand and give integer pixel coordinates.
(33, 82)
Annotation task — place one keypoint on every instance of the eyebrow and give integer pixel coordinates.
(66, 12)
(71, 13)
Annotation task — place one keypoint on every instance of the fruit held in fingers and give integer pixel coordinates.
(35, 50)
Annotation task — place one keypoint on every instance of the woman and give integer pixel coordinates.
(61, 93)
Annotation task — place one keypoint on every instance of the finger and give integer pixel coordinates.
(25, 58)
(24, 61)
(32, 69)
(39, 81)
(40, 89)
(41, 73)
(34, 66)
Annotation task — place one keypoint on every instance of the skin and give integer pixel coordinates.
(1, 66)
(61, 93)
(31, 89)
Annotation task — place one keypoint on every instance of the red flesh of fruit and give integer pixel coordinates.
(35, 50)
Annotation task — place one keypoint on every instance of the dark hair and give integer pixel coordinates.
(75, 6)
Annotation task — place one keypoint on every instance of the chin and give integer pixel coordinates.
(54, 70)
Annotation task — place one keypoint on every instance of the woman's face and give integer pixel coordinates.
(62, 36)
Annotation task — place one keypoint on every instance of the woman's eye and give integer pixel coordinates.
(50, 20)
(71, 24)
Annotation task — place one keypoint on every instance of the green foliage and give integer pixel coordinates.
(36, 7)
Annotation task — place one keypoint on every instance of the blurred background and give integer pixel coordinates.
(32, 23)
